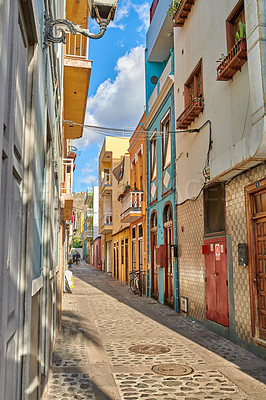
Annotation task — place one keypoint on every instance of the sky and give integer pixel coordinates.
(116, 91)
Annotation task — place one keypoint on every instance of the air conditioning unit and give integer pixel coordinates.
(184, 304)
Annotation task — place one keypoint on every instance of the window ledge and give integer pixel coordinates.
(233, 62)
(190, 113)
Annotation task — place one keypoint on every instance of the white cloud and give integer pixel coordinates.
(143, 11)
(118, 103)
(89, 174)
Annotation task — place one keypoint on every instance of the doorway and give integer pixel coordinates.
(154, 268)
(256, 217)
(168, 259)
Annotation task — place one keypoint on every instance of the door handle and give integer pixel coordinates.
(216, 273)
(256, 280)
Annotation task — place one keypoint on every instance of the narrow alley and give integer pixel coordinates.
(116, 345)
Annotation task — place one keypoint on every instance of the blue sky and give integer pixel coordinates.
(116, 91)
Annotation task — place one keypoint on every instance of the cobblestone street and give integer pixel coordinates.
(98, 354)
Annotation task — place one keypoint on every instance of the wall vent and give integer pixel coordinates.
(184, 304)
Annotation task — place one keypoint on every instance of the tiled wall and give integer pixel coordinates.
(191, 261)
(236, 227)
(190, 228)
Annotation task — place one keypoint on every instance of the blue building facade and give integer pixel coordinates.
(161, 155)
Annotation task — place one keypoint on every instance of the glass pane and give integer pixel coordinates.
(263, 202)
(214, 207)
(257, 204)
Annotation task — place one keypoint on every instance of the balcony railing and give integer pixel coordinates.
(88, 234)
(107, 180)
(66, 185)
(182, 11)
(166, 72)
(233, 62)
(190, 113)
(131, 204)
(76, 46)
(107, 219)
(89, 212)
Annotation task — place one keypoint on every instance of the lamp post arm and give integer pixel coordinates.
(73, 28)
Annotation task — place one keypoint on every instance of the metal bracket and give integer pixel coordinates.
(73, 28)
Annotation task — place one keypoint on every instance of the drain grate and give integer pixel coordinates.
(149, 349)
(172, 369)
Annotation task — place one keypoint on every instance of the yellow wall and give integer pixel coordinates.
(118, 237)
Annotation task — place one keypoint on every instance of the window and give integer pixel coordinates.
(167, 214)
(193, 86)
(140, 233)
(214, 209)
(153, 220)
(153, 157)
(235, 25)
(166, 141)
(135, 175)
(134, 232)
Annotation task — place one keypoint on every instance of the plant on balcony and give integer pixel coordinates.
(121, 196)
(127, 188)
(173, 8)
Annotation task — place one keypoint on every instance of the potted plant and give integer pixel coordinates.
(121, 196)
(196, 101)
(173, 8)
(127, 188)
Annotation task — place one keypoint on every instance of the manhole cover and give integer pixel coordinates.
(172, 369)
(149, 349)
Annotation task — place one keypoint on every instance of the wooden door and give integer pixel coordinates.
(260, 240)
(216, 281)
(154, 268)
(168, 269)
(259, 218)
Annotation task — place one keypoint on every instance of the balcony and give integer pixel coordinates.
(233, 62)
(166, 72)
(76, 46)
(89, 212)
(182, 11)
(132, 206)
(66, 198)
(190, 113)
(107, 183)
(107, 223)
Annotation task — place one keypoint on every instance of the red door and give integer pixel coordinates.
(169, 271)
(216, 281)
(154, 268)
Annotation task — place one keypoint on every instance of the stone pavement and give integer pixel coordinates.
(115, 345)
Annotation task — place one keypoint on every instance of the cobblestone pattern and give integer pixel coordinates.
(120, 354)
(237, 228)
(196, 386)
(64, 386)
(190, 231)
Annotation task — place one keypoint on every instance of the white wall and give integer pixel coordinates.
(235, 108)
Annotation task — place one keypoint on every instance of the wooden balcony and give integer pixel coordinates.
(233, 62)
(182, 11)
(190, 113)
(131, 206)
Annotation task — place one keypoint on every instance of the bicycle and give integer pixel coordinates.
(135, 282)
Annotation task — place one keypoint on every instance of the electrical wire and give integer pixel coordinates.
(127, 133)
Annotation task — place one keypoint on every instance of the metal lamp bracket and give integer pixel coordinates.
(73, 28)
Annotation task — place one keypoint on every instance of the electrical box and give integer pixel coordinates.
(242, 251)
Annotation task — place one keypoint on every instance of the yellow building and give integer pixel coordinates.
(76, 77)
(133, 210)
(120, 257)
(113, 154)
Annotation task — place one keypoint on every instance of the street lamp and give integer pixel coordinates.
(103, 11)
